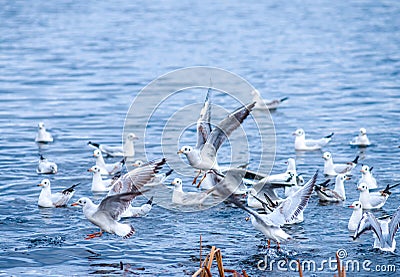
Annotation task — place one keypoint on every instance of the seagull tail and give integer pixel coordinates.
(169, 172)
(330, 135)
(284, 99)
(356, 159)
(150, 202)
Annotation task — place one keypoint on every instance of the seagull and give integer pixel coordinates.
(187, 198)
(42, 135)
(338, 193)
(334, 169)
(361, 140)
(139, 211)
(203, 155)
(107, 169)
(46, 167)
(158, 179)
(98, 184)
(127, 150)
(284, 213)
(286, 178)
(373, 200)
(303, 144)
(107, 214)
(262, 104)
(384, 230)
(366, 177)
(355, 216)
(59, 199)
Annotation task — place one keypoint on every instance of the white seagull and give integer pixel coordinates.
(338, 193)
(262, 104)
(355, 216)
(158, 179)
(107, 169)
(52, 200)
(361, 140)
(375, 199)
(204, 155)
(107, 214)
(333, 169)
(98, 184)
(384, 230)
(366, 177)
(303, 144)
(42, 135)
(180, 197)
(139, 211)
(127, 149)
(46, 167)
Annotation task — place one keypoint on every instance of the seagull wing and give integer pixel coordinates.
(115, 205)
(394, 224)
(228, 125)
(203, 123)
(369, 222)
(292, 206)
(135, 179)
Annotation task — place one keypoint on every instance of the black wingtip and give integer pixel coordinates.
(284, 99)
(330, 135)
(370, 169)
(325, 183)
(71, 188)
(150, 202)
(356, 159)
(42, 158)
(169, 172)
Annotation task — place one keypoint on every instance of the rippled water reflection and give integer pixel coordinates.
(78, 65)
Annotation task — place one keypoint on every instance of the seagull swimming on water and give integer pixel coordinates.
(367, 177)
(303, 144)
(333, 169)
(355, 216)
(51, 200)
(42, 135)
(384, 230)
(203, 155)
(361, 140)
(262, 104)
(46, 167)
(98, 184)
(127, 150)
(376, 199)
(107, 169)
(338, 193)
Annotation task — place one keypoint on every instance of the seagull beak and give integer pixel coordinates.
(348, 178)
(135, 165)
(293, 134)
(362, 170)
(90, 170)
(40, 185)
(351, 206)
(75, 204)
(173, 183)
(179, 152)
(247, 218)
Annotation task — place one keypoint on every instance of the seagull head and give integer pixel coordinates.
(53, 168)
(356, 205)
(362, 187)
(138, 163)
(363, 131)
(96, 153)
(365, 169)
(327, 156)
(177, 182)
(342, 177)
(94, 169)
(41, 125)
(185, 150)
(299, 133)
(44, 183)
(81, 202)
(131, 136)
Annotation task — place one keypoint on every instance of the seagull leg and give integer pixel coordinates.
(279, 246)
(195, 178)
(96, 234)
(269, 243)
(202, 179)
